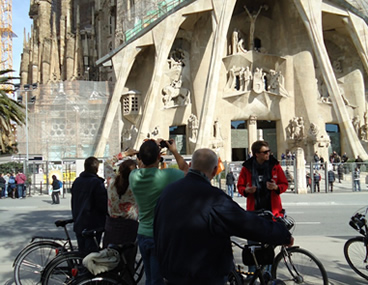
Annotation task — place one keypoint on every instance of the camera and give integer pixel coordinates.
(164, 143)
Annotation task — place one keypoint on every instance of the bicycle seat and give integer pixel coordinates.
(63, 223)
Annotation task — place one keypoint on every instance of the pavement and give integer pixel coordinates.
(23, 218)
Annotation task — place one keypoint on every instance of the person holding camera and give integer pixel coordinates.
(147, 183)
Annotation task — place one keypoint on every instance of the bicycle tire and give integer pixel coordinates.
(234, 278)
(60, 270)
(355, 253)
(32, 260)
(305, 267)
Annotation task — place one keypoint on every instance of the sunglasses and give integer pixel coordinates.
(265, 152)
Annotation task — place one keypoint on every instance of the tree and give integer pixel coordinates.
(11, 114)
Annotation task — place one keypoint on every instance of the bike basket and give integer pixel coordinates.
(358, 222)
(264, 256)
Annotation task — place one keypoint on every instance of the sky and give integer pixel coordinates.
(21, 20)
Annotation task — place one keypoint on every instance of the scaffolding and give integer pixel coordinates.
(65, 120)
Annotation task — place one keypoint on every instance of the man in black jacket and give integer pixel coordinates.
(194, 222)
(89, 205)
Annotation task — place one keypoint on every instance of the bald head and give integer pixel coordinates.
(205, 160)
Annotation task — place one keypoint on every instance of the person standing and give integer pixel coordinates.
(356, 176)
(12, 185)
(56, 186)
(194, 222)
(20, 179)
(358, 161)
(262, 180)
(2, 186)
(122, 220)
(316, 160)
(331, 179)
(230, 181)
(147, 184)
(89, 205)
(317, 179)
(6, 178)
(340, 172)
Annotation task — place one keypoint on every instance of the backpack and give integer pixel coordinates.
(60, 184)
(11, 180)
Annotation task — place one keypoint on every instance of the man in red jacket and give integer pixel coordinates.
(262, 180)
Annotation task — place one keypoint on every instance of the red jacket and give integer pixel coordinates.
(278, 176)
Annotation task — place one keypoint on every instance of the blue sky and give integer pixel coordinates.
(21, 20)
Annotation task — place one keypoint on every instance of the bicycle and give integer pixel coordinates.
(356, 248)
(31, 260)
(121, 275)
(63, 268)
(292, 265)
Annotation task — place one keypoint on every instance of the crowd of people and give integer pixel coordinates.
(13, 186)
(182, 224)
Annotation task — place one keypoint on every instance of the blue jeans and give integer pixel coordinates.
(151, 266)
(356, 185)
(230, 190)
(20, 188)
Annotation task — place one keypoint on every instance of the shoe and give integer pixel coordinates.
(52, 203)
(20, 198)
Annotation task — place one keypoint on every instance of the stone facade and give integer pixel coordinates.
(295, 65)
(301, 64)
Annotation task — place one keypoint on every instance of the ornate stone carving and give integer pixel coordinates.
(295, 129)
(237, 42)
(259, 81)
(193, 126)
(252, 120)
(356, 124)
(252, 26)
(154, 134)
(174, 94)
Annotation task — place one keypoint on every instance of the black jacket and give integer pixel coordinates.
(192, 228)
(89, 202)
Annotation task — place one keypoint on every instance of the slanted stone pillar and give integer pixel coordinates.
(301, 183)
(252, 130)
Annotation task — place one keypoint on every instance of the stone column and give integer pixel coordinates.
(301, 183)
(252, 130)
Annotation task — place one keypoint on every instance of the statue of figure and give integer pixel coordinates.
(365, 118)
(295, 129)
(356, 124)
(247, 78)
(234, 41)
(258, 81)
(217, 129)
(313, 130)
(252, 17)
(193, 126)
(155, 132)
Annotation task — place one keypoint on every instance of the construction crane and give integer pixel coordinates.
(6, 44)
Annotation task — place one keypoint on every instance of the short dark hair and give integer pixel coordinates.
(149, 152)
(91, 165)
(257, 145)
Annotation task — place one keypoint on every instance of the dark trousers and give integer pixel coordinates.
(55, 197)
(88, 245)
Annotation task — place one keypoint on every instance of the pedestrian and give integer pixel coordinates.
(344, 158)
(89, 205)
(316, 159)
(356, 177)
(194, 222)
(340, 172)
(262, 181)
(317, 179)
(122, 220)
(12, 185)
(331, 179)
(56, 188)
(358, 161)
(2, 185)
(230, 181)
(20, 180)
(322, 161)
(147, 183)
(6, 177)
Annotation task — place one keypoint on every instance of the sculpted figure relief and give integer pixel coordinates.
(193, 126)
(356, 124)
(258, 80)
(252, 26)
(295, 129)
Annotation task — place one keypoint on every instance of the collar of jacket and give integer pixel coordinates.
(248, 163)
(199, 173)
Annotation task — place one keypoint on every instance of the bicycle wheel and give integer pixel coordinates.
(61, 269)
(298, 266)
(355, 252)
(234, 278)
(31, 261)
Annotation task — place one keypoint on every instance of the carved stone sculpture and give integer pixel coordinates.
(258, 81)
(252, 17)
(193, 126)
(295, 129)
